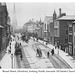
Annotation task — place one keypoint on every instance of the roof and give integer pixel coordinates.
(29, 23)
(73, 22)
(67, 17)
(48, 18)
(1, 26)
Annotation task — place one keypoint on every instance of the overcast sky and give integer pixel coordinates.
(26, 11)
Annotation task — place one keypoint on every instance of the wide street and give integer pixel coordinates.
(30, 60)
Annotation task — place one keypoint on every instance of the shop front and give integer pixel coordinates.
(1, 28)
(70, 49)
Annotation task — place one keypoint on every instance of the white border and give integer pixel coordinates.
(36, 73)
(37, 0)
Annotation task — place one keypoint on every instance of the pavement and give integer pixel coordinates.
(66, 57)
(6, 62)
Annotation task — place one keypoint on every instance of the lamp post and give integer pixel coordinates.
(58, 47)
(12, 60)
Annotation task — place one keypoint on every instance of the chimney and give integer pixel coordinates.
(60, 12)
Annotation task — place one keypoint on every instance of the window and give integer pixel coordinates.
(74, 28)
(45, 34)
(1, 21)
(70, 29)
(57, 23)
(1, 13)
(70, 25)
(70, 38)
(66, 31)
(45, 26)
(56, 31)
(66, 40)
(74, 40)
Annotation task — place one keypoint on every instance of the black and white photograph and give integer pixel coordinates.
(37, 35)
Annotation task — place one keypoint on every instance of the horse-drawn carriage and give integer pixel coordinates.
(18, 50)
(25, 38)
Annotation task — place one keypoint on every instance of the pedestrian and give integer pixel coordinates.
(55, 47)
(46, 43)
(20, 44)
(0, 67)
(40, 53)
(21, 56)
(37, 39)
(52, 51)
(58, 49)
(37, 52)
(48, 54)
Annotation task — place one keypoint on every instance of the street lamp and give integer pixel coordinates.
(58, 47)
(12, 60)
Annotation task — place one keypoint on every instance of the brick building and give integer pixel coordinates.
(51, 28)
(73, 39)
(51, 33)
(3, 23)
(65, 33)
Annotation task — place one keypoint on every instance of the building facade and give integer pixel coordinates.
(30, 26)
(47, 20)
(73, 34)
(40, 30)
(56, 33)
(3, 23)
(65, 33)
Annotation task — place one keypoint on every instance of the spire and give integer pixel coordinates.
(14, 8)
(54, 12)
(14, 20)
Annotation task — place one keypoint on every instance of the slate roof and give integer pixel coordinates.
(67, 17)
(48, 19)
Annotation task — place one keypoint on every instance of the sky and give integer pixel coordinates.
(36, 10)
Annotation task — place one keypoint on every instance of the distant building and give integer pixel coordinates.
(47, 20)
(51, 29)
(40, 30)
(30, 27)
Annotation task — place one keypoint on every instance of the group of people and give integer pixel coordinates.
(25, 38)
(39, 52)
(52, 52)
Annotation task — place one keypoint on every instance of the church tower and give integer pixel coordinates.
(54, 15)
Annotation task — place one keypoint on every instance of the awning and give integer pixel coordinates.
(1, 26)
